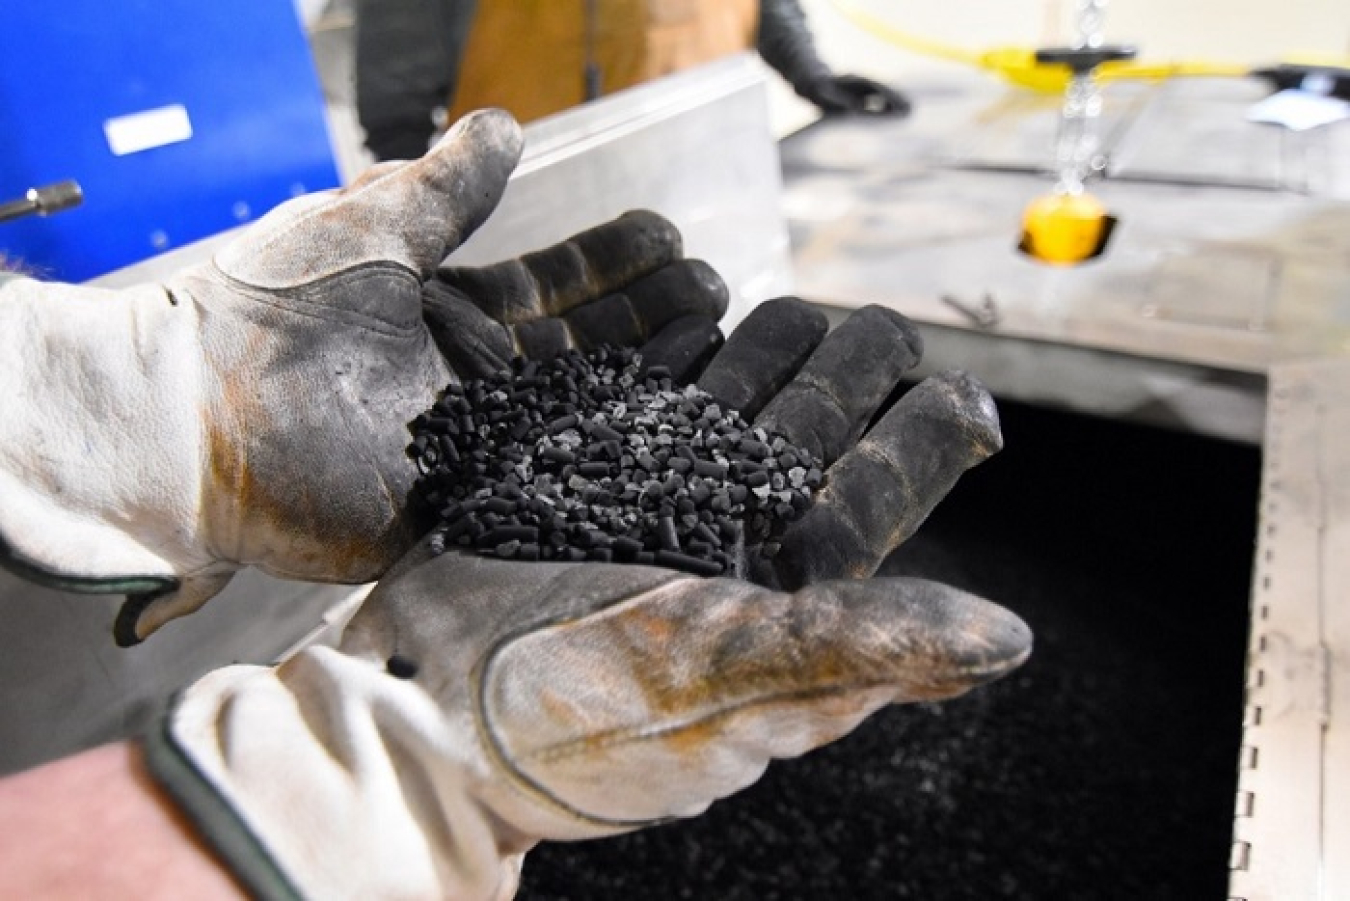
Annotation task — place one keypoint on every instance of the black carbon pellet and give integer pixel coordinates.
(512, 533)
(578, 458)
(625, 546)
(709, 469)
(688, 563)
(558, 455)
(401, 667)
(666, 534)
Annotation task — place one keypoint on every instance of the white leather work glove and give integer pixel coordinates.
(252, 410)
(476, 705)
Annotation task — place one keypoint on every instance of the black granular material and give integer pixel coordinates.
(588, 457)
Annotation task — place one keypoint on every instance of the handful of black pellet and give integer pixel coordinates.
(586, 457)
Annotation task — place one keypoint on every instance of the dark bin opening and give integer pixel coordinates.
(1105, 768)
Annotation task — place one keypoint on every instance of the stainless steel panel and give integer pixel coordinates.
(1217, 278)
(1017, 130)
(1213, 277)
(1195, 130)
(1167, 394)
(1291, 838)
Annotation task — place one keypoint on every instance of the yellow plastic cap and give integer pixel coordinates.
(1064, 229)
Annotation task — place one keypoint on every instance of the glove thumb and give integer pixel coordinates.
(704, 689)
(409, 214)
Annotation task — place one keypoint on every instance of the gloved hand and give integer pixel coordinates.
(854, 94)
(252, 410)
(477, 705)
(785, 43)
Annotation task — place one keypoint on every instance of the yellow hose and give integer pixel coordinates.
(1018, 65)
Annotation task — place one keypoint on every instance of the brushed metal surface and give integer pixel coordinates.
(1291, 837)
(1232, 253)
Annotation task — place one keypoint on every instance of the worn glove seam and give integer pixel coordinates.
(301, 304)
(876, 451)
(557, 305)
(843, 511)
(618, 737)
(809, 380)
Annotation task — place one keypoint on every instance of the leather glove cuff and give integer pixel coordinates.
(216, 821)
(326, 777)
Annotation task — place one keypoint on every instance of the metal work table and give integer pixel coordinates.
(1292, 831)
(1222, 306)
(1231, 253)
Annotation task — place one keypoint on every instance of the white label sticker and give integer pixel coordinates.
(146, 130)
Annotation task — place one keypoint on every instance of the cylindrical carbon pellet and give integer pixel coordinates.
(499, 505)
(707, 535)
(562, 424)
(558, 455)
(687, 563)
(512, 533)
(666, 534)
(625, 546)
(710, 469)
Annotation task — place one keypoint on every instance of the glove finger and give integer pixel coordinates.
(409, 214)
(644, 308)
(592, 264)
(873, 96)
(882, 490)
(763, 354)
(680, 694)
(683, 348)
(830, 401)
(684, 288)
(474, 345)
(477, 346)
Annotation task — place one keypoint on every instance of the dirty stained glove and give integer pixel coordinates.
(854, 94)
(476, 705)
(251, 410)
(785, 42)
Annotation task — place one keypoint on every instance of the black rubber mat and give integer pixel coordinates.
(1103, 769)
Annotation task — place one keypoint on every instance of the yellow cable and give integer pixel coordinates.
(1018, 64)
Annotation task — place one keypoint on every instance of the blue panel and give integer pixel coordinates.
(242, 70)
